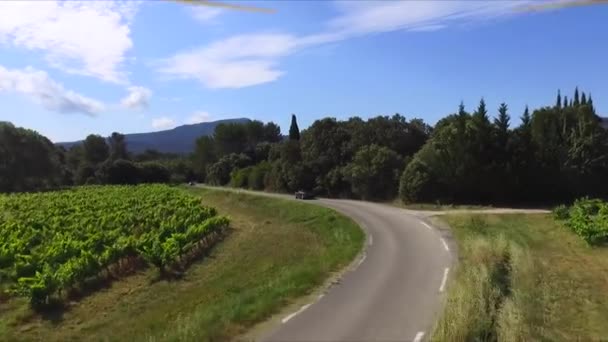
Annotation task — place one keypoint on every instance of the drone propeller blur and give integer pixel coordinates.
(227, 6)
(561, 4)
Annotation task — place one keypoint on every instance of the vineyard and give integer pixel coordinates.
(56, 242)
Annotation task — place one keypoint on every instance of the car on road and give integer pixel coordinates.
(304, 195)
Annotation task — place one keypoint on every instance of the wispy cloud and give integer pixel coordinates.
(252, 59)
(163, 123)
(198, 117)
(38, 86)
(236, 62)
(81, 37)
(138, 98)
(205, 14)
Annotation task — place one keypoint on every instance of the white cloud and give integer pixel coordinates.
(364, 17)
(236, 62)
(199, 117)
(252, 59)
(51, 95)
(163, 123)
(86, 37)
(137, 98)
(205, 14)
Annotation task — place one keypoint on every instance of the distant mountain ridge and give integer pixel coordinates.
(177, 140)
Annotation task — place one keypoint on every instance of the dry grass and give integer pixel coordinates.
(524, 278)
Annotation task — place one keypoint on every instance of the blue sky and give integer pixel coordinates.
(68, 69)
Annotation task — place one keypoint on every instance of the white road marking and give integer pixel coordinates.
(371, 240)
(362, 260)
(426, 225)
(287, 318)
(444, 280)
(320, 296)
(445, 245)
(419, 336)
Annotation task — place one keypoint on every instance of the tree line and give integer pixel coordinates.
(556, 153)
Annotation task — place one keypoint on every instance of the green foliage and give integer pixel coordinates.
(28, 161)
(54, 241)
(294, 130)
(588, 218)
(239, 178)
(95, 149)
(219, 173)
(374, 172)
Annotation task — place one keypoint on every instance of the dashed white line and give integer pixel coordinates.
(362, 260)
(444, 280)
(320, 296)
(426, 225)
(445, 245)
(287, 318)
(371, 240)
(419, 336)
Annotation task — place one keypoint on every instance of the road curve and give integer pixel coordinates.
(393, 294)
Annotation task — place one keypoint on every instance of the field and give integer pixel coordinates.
(56, 242)
(524, 278)
(276, 251)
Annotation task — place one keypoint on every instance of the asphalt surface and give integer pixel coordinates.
(392, 293)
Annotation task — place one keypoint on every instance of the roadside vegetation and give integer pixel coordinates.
(524, 278)
(588, 218)
(276, 251)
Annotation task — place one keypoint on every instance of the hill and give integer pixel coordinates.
(177, 140)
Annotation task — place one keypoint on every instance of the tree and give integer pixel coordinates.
(118, 171)
(374, 172)
(28, 160)
(118, 146)
(272, 133)
(565, 101)
(583, 99)
(153, 172)
(294, 131)
(219, 173)
(230, 138)
(590, 103)
(558, 104)
(576, 98)
(502, 121)
(204, 155)
(95, 149)
(525, 118)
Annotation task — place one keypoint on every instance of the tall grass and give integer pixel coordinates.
(524, 278)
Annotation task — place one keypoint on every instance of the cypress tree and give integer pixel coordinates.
(565, 101)
(583, 99)
(558, 104)
(525, 119)
(461, 111)
(576, 98)
(294, 131)
(481, 113)
(502, 121)
(590, 103)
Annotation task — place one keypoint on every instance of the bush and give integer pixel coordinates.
(257, 175)
(561, 212)
(152, 172)
(588, 218)
(239, 178)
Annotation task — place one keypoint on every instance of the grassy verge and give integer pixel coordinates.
(277, 251)
(435, 206)
(524, 278)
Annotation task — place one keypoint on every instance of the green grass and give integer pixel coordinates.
(435, 206)
(524, 278)
(276, 252)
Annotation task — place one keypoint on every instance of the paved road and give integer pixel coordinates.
(394, 291)
(394, 294)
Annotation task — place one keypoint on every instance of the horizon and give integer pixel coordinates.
(158, 65)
